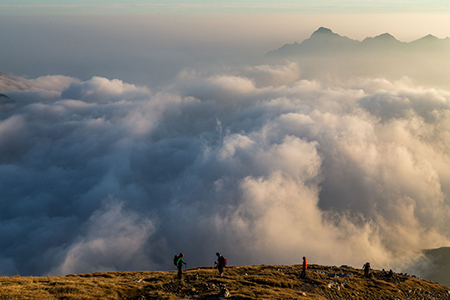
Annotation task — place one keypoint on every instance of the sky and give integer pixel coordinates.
(132, 132)
(219, 7)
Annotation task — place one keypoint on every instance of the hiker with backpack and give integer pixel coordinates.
(304, 266)
(221, 263)
(366, 268)
(178, 261)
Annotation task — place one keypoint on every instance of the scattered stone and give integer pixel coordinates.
(224, 293)
(341, 275)
(333, 285)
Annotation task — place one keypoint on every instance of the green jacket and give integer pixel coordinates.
(180, 261)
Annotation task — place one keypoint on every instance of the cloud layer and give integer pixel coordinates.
(255, 163)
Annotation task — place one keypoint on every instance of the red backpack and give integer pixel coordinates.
(223, 262)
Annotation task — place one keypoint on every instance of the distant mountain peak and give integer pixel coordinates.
(429, 38)
(322, 31)
(385, 37)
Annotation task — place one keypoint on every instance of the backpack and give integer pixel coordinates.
(175, 259)
(223, 262)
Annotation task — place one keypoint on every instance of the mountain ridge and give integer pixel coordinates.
(324, 40)
(237, 282)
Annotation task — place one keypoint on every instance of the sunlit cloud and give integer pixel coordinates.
(256, 162)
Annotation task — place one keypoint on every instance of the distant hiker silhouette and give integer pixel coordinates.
(221, 263)
(390, 274)
(366, 268)
(304, 267)
(178, 261)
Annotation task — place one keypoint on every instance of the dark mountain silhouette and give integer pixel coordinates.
(431, 43)
(325, 41)
(383, 42)
(328, 56)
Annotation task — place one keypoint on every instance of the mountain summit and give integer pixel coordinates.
(323, 41)
(323, 31)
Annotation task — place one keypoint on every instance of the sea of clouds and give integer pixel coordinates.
(255, 162)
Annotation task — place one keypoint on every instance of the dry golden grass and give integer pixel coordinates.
(249, 282)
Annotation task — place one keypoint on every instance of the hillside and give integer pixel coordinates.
(248, 282)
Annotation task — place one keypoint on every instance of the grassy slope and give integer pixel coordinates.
(251, 282)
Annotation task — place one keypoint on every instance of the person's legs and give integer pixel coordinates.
(180, 268)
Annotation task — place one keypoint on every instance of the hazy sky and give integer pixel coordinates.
(149, 42)
(219, 7)
(131, 132)
(150, 49)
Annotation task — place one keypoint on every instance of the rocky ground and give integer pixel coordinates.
(238, 282)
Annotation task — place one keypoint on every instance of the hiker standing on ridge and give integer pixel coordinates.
(304, 266)
(180, 263)
(221, 263)
(366, 267)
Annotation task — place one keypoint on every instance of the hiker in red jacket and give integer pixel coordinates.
(304, 266)
(221, 262)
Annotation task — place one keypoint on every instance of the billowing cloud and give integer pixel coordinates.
(258, 164)
(266, 75)
(111, 240)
